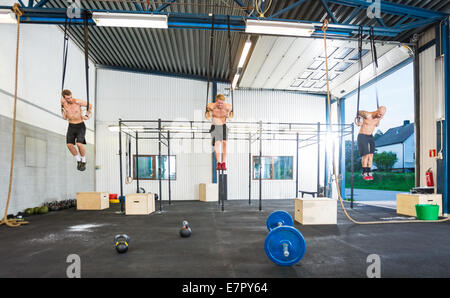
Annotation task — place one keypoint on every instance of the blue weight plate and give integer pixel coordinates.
(273, 245)
(279, 216)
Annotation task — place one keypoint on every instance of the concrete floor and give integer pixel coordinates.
(228, 244)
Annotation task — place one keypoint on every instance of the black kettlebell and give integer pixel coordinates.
(185, 231)
(121, 242)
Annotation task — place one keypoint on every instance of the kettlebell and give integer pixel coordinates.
(185, 231)
(121, 242)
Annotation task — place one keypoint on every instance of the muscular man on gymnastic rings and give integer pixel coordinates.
(368, 121)
(220, 112)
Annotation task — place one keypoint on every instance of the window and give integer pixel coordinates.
(148, 167)
(343, 66)
(305, 75)
(315, 65)
(342, 53)
(355, 56)
(296, 83)
(273, 167)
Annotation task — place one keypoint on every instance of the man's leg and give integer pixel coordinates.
(224, 151)
(370, 162)
(224, 154)
(75, 154)
(81, 150)
(364, 163)
(83, 156)
(217, 146)
(72, 149)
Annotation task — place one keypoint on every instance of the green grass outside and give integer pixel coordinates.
(383, 181)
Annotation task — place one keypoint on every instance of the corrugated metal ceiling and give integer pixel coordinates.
(186, 51)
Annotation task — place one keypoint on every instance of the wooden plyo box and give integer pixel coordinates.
(92, 200)
(139, 203)
(209, 192)
(406, 203)
(316, 211)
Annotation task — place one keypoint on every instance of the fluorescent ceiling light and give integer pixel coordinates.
(279, 28)
(235, 80)
(115, 128)
(247, 46)
(7, 17)
(130, 20)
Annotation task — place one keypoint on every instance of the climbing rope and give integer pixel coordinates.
(6, 221)
(324, 29)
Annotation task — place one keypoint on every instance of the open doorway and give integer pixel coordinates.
(394, 158)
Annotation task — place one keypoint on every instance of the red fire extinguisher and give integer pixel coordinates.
(429, 177)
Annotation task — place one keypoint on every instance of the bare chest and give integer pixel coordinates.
(72, 109)
(220, 112)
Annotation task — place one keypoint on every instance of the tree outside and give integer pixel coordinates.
(385, 160)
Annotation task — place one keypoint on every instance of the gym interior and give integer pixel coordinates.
(152, 197)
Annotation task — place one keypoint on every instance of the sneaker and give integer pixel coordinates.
(219, 166)
(79, 165)
(370, 176)
(223, 166)
(366, 177)
(82, 166)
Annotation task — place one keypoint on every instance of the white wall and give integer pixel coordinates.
(431, 101)
(40, 75)
(38, 115)
(410, 149)
(139, 96)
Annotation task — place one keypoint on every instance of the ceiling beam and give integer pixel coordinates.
(393, 8)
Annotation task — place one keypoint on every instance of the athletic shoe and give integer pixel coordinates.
(82, 166)
(219, 166)
(370, 176)
(223, 166)
(79, 166)
(366, 177)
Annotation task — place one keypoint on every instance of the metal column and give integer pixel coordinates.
(122, 209)
(342, 157)
(260, 166)
(318, 158)
(446, 51)
(159, 165)
(137, 163)
(352, 178)
(168, 156)
(249, 168)
(296, 168)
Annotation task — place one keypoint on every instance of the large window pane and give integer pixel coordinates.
(148, 167)
(145, 168)
(283, 167)
(266, 167)
(165, 167)
(273, 167)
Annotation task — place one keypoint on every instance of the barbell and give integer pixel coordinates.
(284, 245)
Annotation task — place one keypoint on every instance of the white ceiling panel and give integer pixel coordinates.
(276, 54)
(262, 49)
(288, 63)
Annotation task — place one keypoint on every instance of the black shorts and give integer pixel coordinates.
(366, 144)
(218, 132)
(76, 133)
